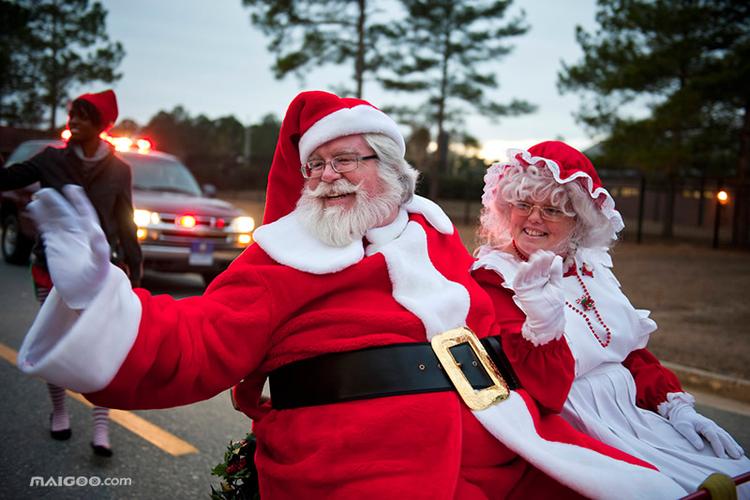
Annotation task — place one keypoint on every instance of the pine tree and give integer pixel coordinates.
(19, 96)
(446, 49)
(687, 61)
(307, 34)
(65, 44)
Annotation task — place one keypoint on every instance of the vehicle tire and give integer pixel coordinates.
(15, 246)
(208, 276)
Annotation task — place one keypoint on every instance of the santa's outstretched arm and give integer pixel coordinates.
(126, 348)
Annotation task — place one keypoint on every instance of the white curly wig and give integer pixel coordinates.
(527, 177)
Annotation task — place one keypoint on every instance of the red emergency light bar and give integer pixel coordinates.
(120, 143)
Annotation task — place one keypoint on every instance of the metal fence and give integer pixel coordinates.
(703, 208)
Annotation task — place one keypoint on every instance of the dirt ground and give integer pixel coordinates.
(695, 294)
(697, 297)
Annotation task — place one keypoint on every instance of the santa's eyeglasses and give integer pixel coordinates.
(313, 169)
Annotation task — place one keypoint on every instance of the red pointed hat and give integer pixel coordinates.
(106, 103)
(567, 164)
(312, 119)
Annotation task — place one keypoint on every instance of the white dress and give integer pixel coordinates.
(602, 399)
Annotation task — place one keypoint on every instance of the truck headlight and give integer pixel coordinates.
(144, 218)
(243, 224)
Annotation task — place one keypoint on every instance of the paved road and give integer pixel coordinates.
(27, 450)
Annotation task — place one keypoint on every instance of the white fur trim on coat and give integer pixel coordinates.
(439, 303)
(379, 236)
(106, 331)
(362, 119)
(288, 242)
(584, 470)
(432, 212)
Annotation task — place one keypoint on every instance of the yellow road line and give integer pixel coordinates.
(139, 426)
(8, 354)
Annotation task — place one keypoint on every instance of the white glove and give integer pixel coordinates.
(539, 294)
(75, 246)
(692, 425)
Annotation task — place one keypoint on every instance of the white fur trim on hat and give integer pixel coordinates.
(362, 119)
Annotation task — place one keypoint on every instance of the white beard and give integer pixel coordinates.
(338, 226)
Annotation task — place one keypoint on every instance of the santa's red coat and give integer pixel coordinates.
(410, 283)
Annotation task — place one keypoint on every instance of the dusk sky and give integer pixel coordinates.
(207, 57)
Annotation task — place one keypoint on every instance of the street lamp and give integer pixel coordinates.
(722, 198)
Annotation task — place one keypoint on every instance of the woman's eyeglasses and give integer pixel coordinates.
(547, 213)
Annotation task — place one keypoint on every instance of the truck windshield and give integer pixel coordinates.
(152, 173)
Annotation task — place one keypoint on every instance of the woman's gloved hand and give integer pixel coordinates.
(75, 246)
(539, 294)
(692, 426)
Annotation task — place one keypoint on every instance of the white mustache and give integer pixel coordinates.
(338, 188)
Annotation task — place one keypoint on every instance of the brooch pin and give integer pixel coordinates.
(586, 302)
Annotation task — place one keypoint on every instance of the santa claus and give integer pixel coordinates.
(351, 277)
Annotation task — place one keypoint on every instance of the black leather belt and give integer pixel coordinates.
(376, 372)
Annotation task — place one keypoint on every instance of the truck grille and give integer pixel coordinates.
(204, 221)
(169, 233)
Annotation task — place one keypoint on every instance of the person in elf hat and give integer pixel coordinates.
(547, 225)
(89, 162)
(350, 277)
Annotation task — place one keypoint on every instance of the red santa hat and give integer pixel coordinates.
(106, 103)
(312, 119)
(567, 164)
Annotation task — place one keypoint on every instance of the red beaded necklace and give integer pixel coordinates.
(520, 255)
(586, 302)
(588, 305)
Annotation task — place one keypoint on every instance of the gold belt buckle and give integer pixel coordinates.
(474, 399)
